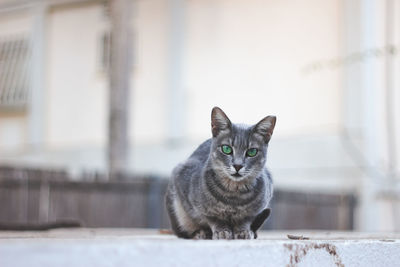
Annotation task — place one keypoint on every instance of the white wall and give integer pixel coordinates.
(372, 109)
(15, 23)
(12, 132)
(244, 56)
(247, 57)
(148, 117)
(396, 84)
(76, 87)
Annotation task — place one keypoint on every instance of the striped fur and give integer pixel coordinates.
(208, 197)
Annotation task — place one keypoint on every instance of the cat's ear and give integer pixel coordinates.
(265, 127)
(219, 121)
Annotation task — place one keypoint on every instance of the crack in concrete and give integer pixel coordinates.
(299, 251)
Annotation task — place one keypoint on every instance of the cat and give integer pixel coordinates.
(222, 191)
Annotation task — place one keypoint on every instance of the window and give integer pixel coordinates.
(14, 72)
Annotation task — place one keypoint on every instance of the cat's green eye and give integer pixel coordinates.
(252, 152)
(226, 149)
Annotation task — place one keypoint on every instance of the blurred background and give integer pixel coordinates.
(99, 100)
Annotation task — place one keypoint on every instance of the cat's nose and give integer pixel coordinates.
(237, 167)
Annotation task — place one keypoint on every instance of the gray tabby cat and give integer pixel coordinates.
(223, 189)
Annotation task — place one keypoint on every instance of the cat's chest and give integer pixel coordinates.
(231, 210)
(226, 201)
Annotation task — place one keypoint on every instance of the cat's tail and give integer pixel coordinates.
(259, 220)
(39, 226)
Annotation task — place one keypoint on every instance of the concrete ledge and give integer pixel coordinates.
(108, 247)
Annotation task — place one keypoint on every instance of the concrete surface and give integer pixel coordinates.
(133, 247)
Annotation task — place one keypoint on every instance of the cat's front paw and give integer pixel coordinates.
(202, 234)
(222, 234)
(244, 234)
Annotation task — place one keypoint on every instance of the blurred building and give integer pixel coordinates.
(328, 69)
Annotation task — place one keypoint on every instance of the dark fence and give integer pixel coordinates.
(38, 196)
